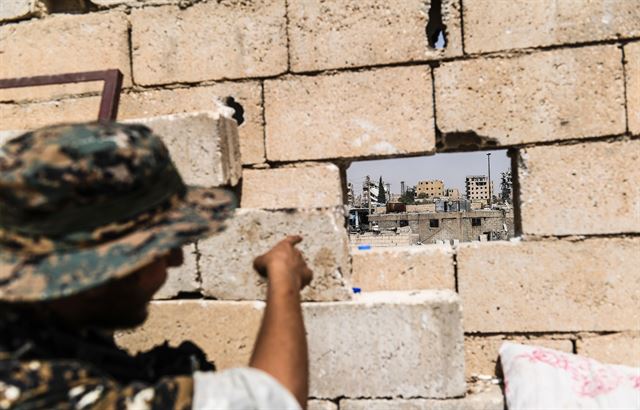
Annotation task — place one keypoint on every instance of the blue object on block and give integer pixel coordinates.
(356, 290)
(364, 247)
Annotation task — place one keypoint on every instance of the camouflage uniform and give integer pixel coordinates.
(81, 205)
(45, 366)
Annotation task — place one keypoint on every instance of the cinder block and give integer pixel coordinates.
(181, 100)
(63, 44)
(481, 352)
(337, 33)
(617, 348)
(530, 98)
(203, 146)
(17, 9)
(403, 268)
(547, 286)
(150, 104)
(321, 405)
(209, 41)
(311, 185)
(386, 344)
(490, 399)
(580, 189)
(226, 262)
(534, 23)
(348, 115)
(29, 116)
(183, 278)
(226, 331)
(632, 65)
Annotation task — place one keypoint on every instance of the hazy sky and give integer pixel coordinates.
(451, 168)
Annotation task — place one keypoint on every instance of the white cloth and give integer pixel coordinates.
(540, 378)
(240, 389)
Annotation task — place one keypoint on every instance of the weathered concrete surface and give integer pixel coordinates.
(182, 100)
(415, 337)
(547, 286)
(632, 65)
(403, 268)
(530, 98)
(580, 189)
(321, 405)
(151, 104)
(66, 49)
(534, 23)
(310, 185)
(333, 34)
(209, 41)
(226, 263)
(30, 116)
(17, 9)
(349, 115)
(617, 348)
(183, 278)
(203, 145)
(226, 331)
(386, 344)
(491, 399)
(481, 352)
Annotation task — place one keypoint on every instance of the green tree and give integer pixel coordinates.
(382, 197)
(409, 196)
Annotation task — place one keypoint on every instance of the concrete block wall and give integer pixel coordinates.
(317, 84)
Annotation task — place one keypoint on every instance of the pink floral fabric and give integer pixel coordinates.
(540, 378)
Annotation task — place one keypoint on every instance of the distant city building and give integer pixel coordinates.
(430, 189)
(452, 193)
(477, 188)
(370, 192)
(506, 187)
(463, 226)
(350, 197)
(357, 201)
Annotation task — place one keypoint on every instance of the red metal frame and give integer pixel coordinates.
(110, 90)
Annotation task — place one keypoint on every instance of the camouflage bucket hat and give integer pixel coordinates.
(83, 204)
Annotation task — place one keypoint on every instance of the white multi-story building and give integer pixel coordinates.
(370, 191)
(477, 188)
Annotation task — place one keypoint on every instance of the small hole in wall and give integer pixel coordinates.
(444, 198)
(436, 30)
(238, 109)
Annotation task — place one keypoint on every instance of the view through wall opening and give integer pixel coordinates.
(444, 198)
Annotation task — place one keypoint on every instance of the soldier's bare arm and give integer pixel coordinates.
(281, 346)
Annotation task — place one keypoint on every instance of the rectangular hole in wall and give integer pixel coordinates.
(444, 198)
(69, 6)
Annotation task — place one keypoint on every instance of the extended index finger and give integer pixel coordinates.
(293, 239)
